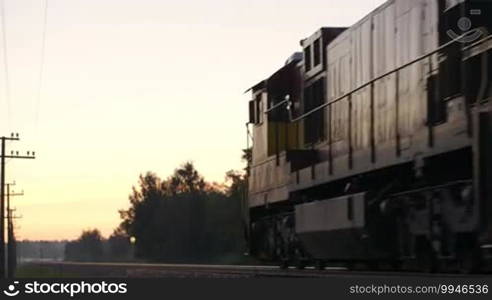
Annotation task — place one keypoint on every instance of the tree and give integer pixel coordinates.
(88, 247)
(247, 157)
(184, 218)
(119, 246)
(186, 179)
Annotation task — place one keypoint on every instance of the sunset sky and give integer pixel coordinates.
(133, 86)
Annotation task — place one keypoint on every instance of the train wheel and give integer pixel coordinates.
(350, 265)
(284, 264)
(373, 266)
(396, 265)
(320, 265)
(470, 262)
(300, 264)
(427, 261)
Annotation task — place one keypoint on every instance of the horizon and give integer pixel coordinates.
(123, 88)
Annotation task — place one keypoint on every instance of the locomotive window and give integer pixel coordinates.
(314, 96)
(252, 105)
(317, 53)
(259, 110)
(307, 58)
(256, 111)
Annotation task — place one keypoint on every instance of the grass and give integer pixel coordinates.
(33, 271)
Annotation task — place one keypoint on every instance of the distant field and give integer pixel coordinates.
(36, 271)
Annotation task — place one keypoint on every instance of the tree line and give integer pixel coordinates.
(36, 250)
(182, 218)
(92, 247)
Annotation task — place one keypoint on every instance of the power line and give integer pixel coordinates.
(5, 62)
(41, 67)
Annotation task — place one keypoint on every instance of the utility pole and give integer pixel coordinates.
(12, 244)
(3, 156)
(11, 249)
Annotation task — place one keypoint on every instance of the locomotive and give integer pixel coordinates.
(373, 146)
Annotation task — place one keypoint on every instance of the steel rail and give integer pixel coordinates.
(150, 270)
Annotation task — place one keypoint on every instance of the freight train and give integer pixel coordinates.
(373, 146)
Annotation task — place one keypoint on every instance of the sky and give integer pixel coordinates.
(129, 86)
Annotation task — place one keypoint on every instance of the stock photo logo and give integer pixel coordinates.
(12, 290)
(64, 288)
(467, 34)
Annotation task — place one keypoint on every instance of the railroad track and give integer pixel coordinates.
(147, 270)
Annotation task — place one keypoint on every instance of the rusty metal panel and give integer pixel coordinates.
(268, 181)
(260, 143)
(361, 119)
(339, 127)
(384, 34)
(331, 214)
(339, 71)
(361, 44)
(385, 109)
(416, 35)
(430, 34)
(404, 56)
(339, 83)
(412, 87)
(354, 60)
(384, 57)
(395, 34)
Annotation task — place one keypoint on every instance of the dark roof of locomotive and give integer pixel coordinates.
(262, 84)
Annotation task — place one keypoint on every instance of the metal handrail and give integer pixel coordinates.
(277, 105)
(305, 115)
(427, 188)
(478, 42)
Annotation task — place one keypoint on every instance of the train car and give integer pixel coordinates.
(374, 144)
